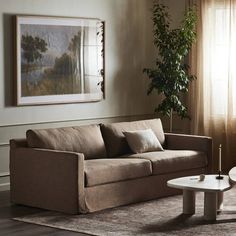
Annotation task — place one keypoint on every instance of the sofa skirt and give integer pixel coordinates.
(132, 191)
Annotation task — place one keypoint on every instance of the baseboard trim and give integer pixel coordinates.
(4, 187)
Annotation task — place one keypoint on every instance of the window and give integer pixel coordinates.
(222, 58)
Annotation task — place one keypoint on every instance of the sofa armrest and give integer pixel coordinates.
(191, 142)
(47, 179)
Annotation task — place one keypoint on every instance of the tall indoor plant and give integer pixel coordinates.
(171, 76)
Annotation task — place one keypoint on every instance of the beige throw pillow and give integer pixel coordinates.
(143, 141)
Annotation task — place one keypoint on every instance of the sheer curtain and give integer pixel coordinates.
(213, 94)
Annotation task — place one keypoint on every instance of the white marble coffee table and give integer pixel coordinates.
(213, 193)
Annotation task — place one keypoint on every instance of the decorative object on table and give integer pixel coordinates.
(59, 60)
(219, 176)
(171, 76)
(201, 177)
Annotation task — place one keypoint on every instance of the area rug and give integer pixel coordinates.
(158, 217)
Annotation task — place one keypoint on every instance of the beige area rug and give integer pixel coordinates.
(158, 217)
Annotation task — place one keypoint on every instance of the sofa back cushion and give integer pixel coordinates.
(83, 139)
(114, 138)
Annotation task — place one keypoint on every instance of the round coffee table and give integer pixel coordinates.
(213, 193)
(232, 175)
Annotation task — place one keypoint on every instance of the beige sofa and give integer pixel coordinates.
(89, 168)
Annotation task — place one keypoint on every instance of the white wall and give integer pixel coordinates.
(128, 49)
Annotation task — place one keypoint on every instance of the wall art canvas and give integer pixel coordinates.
(59, 60)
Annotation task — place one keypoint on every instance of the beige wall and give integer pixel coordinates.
(177, 8)
(128, 49)
(127, 52)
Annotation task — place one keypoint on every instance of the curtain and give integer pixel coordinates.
(213, 95)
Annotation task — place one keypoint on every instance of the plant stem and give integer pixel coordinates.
(171, 120)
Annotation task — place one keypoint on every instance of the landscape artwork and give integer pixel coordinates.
(59, 60)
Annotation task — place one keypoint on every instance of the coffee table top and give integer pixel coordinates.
(232, 175)
(210, 183)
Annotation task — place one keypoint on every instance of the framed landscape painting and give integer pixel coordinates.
(59, 60)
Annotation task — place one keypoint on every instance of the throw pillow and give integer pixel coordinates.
(143, 141)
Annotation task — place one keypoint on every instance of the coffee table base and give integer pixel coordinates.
(188, 202)
(213, 203)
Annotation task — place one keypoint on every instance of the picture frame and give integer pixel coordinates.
(58, 60)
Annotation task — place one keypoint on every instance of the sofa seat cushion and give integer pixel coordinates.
(114, 138)
(173, 160)
(103, 171)
(85, 139)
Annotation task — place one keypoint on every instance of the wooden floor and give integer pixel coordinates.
(9, 227)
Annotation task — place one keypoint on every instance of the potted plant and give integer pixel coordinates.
(171, 76)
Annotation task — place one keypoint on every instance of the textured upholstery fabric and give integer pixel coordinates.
(131, 191)
(102, 171)
(48, 179)
(114, 138)
(191, 142)
(143, 141)
(188, 142)
(82, 139)
(55, 180)
(173, 160)
(14, 143)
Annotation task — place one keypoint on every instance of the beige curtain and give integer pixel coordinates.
(213, 94)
